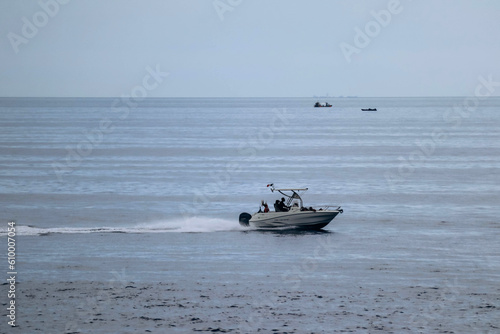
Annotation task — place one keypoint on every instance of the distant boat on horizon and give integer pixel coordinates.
(319, 105)
(369, 109)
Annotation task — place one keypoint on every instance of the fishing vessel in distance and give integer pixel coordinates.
(319, 105)
(290, 213)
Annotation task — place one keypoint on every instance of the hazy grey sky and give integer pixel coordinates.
(247, 47)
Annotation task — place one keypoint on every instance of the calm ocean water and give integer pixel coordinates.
(73, 170)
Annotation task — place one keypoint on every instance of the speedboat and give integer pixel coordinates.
(289, 214)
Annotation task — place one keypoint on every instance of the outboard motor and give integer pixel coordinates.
(244, 219)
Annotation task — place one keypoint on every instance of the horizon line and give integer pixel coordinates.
(232, 97)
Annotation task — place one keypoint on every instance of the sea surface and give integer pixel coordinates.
(151, 190)
(76, 166)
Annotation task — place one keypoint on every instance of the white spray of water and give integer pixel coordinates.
(193, 224)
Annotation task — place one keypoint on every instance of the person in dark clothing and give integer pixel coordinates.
(283, 206)
(277, 206)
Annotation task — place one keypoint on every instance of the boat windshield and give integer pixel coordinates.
(292, 194)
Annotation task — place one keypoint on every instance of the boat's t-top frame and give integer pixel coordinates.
(290, 197)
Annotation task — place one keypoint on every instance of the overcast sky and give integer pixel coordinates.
(245, 48)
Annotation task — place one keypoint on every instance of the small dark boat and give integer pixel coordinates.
(319, 105)
(369, 109)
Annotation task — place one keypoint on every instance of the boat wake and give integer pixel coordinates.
(181, 225)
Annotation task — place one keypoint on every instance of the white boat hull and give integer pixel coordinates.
(293, 219)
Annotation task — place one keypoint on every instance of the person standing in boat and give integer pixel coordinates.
(266, 208)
